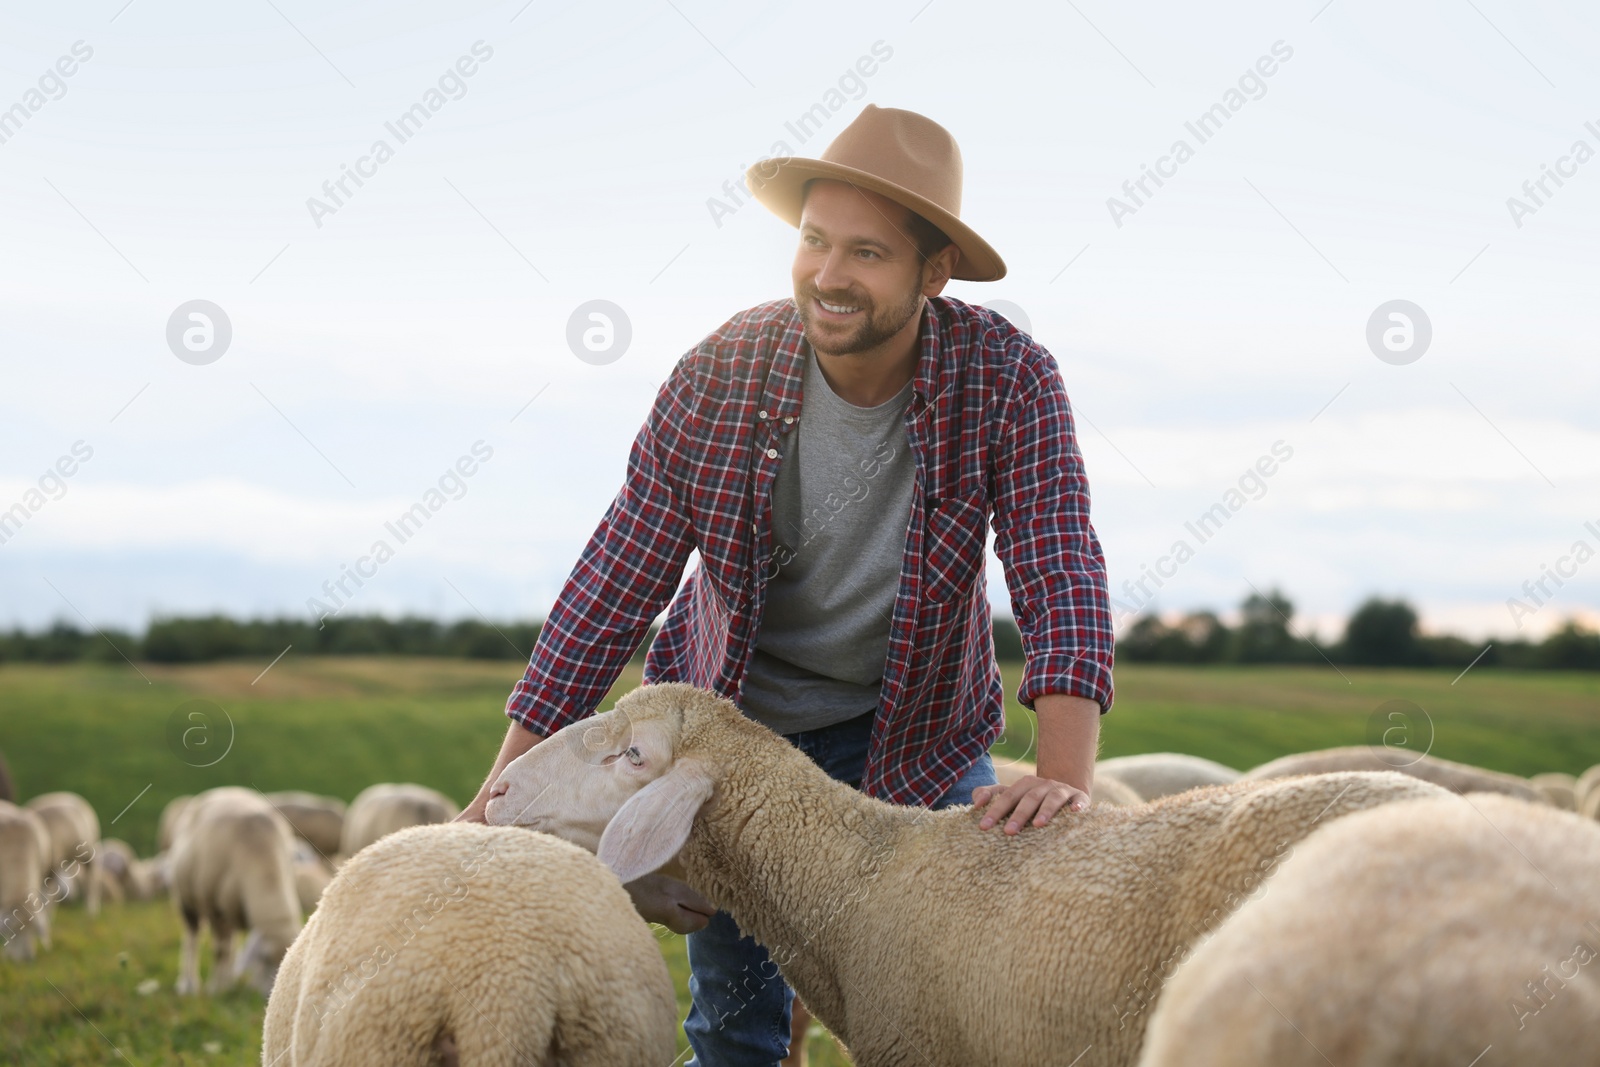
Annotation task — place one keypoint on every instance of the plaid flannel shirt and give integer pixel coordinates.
(991, 431)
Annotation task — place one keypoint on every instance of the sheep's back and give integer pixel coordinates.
(317, 820)
(1419, 933)
(71, 822)
(1228, 863)
(382, 809)
(508, 940)
(233, 845)
(1160, 774)
(171, 821)
(23, 857)
(1091, 908)
(1456, 777)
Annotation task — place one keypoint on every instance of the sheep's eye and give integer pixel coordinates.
(632, 752)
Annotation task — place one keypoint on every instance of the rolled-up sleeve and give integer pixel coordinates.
(625, 577)
(1054, 567)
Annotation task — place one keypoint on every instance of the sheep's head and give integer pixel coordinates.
(614, 783)
(674, 904)
(259, 960)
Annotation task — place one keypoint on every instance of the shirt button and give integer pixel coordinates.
(788, 419)
(772, 453)
(763, 414)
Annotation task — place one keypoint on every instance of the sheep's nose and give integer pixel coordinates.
(500, 788)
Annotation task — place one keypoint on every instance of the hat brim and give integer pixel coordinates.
(779, 183)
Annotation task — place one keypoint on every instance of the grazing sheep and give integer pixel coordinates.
(233, 870)
(1162, 774)
(24, 866)
(1590, 808)
(316, 820)
(1558, 789)
(1105, 789)
(1040, 932)
(1585, 792)
(384, 808)
(74, 830)
(123, 876)
(167, 832)
(1421, 934)
(154, 874)
(1456, 777)
(487, 946)
(312, 874)
(1108, 789)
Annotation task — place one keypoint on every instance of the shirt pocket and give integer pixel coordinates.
(953, 548)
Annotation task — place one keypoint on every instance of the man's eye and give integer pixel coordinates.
(869, 252)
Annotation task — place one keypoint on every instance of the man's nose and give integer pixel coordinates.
(831, 276)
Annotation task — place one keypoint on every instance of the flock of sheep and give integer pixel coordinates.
(1345, 907)
(232, 859)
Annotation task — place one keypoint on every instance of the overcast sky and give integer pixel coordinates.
(157, 153)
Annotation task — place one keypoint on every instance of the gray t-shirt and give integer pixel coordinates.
(841, 504)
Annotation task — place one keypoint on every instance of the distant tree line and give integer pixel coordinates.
(1379, 633)
(198, 639)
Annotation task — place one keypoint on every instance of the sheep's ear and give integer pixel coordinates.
(653, 825)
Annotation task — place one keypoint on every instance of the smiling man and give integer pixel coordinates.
(837, 459)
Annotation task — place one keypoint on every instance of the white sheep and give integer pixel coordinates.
(1586, 794)
(24, 868)
(316, 820)
(1591, 805)
(1042, 936)
(1162, 774)
(167, 830)
(122, 875)
(1422, 933)
(1456, 777)
(154, 874)
(232, 869)
(389, 806)
(1560, 790)
(312, 874)
(74, 831)
(463, 942)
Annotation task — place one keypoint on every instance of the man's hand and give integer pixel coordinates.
(1069, 738)
(473, 812)
(1028, 798)
(518, 740)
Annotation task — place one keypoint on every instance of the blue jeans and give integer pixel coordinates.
(740, 1010)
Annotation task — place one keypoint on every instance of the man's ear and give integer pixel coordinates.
(939, 267)
(653, 825)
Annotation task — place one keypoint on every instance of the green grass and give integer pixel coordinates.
(1521, 722)
(80, 1002)
(334, 725)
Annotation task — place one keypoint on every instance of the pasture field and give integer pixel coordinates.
(129, 742)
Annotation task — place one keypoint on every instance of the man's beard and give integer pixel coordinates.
(874, 324)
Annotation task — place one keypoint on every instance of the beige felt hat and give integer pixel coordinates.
(902, 155)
